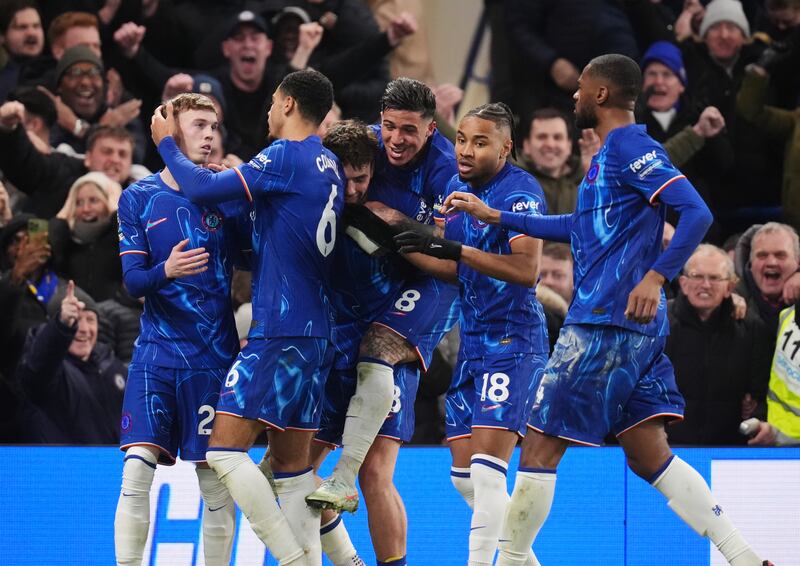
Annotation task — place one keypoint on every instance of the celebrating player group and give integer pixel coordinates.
(366, 247)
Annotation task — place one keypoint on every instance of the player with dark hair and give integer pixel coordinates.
(277, 380)
(504, 343)
(397, 317)
(176, 255)
(608, 372)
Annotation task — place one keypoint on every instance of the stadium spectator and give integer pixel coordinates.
(81, 103)
(781, 124)
(46, 178)
(556, 38)
(690, 134)
(547, 155)
(714, 70)
(721, 364)
(412, 58)
(555, 269)
(77, 383)
(5, 206)
(767, 261)
(782, 427)
(119, 323)
(39, 117)
(84, 236)
(780, 19)
(21, 42)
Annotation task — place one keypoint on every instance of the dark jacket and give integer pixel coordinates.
(82, 400)
(94, 266)
(120, 323)
(716, 363)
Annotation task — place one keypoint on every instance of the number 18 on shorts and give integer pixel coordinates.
(492, 392)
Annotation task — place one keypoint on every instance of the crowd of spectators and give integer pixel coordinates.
(79, 79)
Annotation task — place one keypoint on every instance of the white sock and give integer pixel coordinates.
(219, 518)
(336, 544)
(252, 492)
(488, 475)
(369, 407)
(525, 514)
(689, 496)
(460, 477)
(132, 520)
(304, 521)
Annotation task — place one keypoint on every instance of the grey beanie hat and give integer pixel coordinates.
(725, 11)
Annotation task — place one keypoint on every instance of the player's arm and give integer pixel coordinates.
(554, 228)
(521, 266)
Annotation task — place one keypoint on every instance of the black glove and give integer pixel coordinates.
(371, 225)
(428, 244)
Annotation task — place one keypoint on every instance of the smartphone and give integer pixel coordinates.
(37, 229)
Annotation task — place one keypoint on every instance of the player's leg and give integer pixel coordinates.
(388, 524)
(290, 457)
(687, 493)
(458, 428)
(147, 437)
(235, 429)
(503, 388)
(422, 313)
(197, 395)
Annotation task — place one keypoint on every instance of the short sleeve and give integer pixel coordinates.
(132, 235)
(270, 171)
(526, 197)
(645, 166)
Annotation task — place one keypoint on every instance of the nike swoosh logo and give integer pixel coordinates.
(475, 528)
(218, 508)
(151, 224)
(436, 246)
(128, 494)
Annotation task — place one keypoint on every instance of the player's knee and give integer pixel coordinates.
(138, 471)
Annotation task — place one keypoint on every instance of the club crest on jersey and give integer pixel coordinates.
(212, 220)
(593, 172)
(126, 421)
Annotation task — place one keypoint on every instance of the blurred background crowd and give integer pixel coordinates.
(79, 80)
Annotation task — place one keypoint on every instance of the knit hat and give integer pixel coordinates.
(668, 55)
(725, 11)
(77, 54)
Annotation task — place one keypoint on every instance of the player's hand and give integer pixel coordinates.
(71, 307)
(643, 300)
(565, 75)
(162, 124)
(123, 114)
(426, 243)
(182, 263)
(791, 289)
(129, 37)
(710, 123)
(739, 307)
(108, 11)
(472, 205)
(401, 27)
(766, 435)
(11, 115)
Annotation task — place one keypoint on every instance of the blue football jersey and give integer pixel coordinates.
(617, 228)
(497, 317)
(297, 191)
(187, 322)
(365, 285)
(415, 190)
